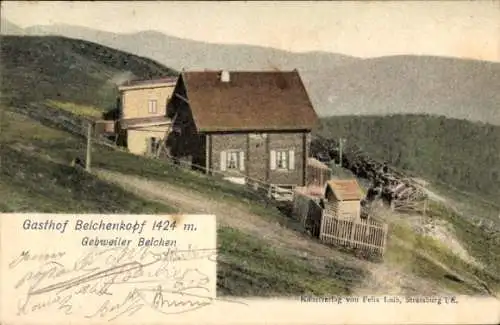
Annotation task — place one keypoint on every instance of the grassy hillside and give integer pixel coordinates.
(56, 75)
(34, 179)
(459, 153)
(36, 69)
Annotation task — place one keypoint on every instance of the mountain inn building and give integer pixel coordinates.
(143, 113)
(247, 126)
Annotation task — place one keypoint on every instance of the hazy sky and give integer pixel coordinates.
(364, 29)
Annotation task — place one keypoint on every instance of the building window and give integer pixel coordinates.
(152, 106)
(282, 159)
(232, 160)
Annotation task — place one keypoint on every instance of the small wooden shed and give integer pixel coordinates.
(105, 127)
(343, 199)
(318, 173)
(307, 208)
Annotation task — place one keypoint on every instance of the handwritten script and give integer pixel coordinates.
(111, 283)
(159, 281)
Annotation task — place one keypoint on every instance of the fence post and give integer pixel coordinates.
(322, 221)
(269, 194)
(392, 205)
(353, 230)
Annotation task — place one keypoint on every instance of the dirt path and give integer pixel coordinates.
(384, 279)
(232, 214)
(395, 281)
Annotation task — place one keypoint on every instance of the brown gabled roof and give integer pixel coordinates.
(132, 122)
(346, 189)
(266, 100)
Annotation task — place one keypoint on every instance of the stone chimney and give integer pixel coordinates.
(224, 76)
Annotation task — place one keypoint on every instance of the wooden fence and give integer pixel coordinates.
(275, 192)
(368, 235)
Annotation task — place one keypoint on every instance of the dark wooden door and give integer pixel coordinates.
(257, 156)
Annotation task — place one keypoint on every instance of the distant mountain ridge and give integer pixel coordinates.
(181, 53)
(337, 84)
(8, 28)
(456, 88)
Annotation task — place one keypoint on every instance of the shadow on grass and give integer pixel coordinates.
(32, 183)
(250, 268)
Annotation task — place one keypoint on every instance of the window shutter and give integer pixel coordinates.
(291, 159)
(242, 160)
(272, 160)
(222, 160)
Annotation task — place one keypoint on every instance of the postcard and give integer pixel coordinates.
(249, 162)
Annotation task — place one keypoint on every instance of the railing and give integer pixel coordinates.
(276, 192)
(281, 193)
(68, 122)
